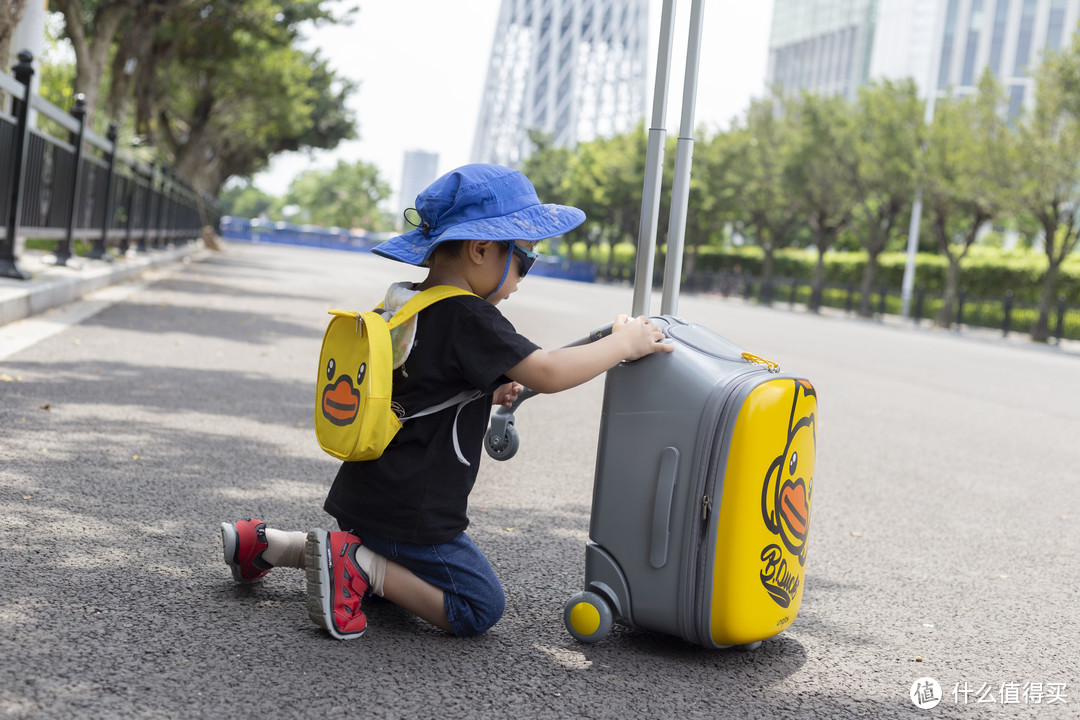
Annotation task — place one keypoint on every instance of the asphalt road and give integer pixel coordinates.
(944, 541)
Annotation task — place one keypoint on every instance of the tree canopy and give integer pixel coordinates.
(216, 88)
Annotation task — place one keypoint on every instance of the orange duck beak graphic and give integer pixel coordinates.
(794, 506)
(340, 400)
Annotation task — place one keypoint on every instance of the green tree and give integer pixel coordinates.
(1049, 172)
(758, 152)
(888, 129)
(605, 178)
(820, 170)
(247, 201)
(238, 91)
(217, 87)
(346, 196)
(546, 167)
(714, 188)
(968, 166)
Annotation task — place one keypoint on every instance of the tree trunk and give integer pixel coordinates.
(879, 237)
(1041, 333)
(952, 285)
(135, 48)
(10, 15)
(866, 287)
(819, 275)
(92, 54)
(768, 262)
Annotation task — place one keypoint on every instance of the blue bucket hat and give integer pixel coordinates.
(479, 202)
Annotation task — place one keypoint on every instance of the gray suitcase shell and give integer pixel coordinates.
(663, 553)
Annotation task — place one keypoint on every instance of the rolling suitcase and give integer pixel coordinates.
(705, 460)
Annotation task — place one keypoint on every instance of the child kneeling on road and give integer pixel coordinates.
(402, 517)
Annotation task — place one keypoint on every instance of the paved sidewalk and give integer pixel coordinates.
(54, 285)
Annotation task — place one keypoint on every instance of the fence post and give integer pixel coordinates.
(1060, 318)
(159, 208)
(143, 245)
(1006, 311)
(794, 292)
(100, 251)
(132, 185)
(9, 260)
(919, 300)
(881, 301)
(960, 297)
(66, 248)
(849, 300)
(173, 188)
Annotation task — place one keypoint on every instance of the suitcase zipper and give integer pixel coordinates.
(713, 440)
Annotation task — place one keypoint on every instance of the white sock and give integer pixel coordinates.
(374, 566)
(284, 549)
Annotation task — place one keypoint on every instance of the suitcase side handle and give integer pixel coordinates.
(661, 519)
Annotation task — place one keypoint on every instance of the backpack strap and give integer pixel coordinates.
(415, 304)
(422, 300)
(462, 399)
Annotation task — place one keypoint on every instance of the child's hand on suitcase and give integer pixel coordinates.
(642, 336)
(507, 394)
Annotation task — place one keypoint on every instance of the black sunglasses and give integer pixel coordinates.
(527, 258)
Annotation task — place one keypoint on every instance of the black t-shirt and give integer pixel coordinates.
(418, 490)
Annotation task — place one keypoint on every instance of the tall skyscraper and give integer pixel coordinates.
(833, 46)
(574, 69)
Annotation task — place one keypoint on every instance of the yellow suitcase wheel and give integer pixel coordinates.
(587, 617)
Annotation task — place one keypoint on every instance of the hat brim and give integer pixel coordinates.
(536, 222)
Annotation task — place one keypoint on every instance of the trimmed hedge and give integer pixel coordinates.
(985, 272)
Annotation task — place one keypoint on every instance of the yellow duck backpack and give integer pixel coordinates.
(354, 417)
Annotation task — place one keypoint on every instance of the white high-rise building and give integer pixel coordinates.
(821, 45)
(834, 46)
(418, 169)
(574, 69)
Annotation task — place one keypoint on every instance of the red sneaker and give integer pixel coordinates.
(243, 542)
(335, 583)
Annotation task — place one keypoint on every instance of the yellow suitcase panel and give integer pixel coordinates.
(761, 531)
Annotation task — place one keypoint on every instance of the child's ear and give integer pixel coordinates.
(479, 250)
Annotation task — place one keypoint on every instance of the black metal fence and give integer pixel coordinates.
(1005, 313)
(80, 187)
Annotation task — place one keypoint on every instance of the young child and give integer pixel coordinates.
(402, 517)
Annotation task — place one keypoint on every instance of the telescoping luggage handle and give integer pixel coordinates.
(654, 163)
(501, 441)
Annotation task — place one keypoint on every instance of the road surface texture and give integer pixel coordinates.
(944, 541)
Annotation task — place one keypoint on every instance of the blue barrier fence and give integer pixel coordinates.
(261, 231)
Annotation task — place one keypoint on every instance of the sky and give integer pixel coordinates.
(421, 67)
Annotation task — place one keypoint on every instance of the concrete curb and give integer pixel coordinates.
(53, 285)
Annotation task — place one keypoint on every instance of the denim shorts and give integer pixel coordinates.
(472, 594)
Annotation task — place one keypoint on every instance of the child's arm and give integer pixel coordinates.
(557, 370)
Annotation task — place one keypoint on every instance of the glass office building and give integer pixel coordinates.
(574, 69)
(834, 46)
